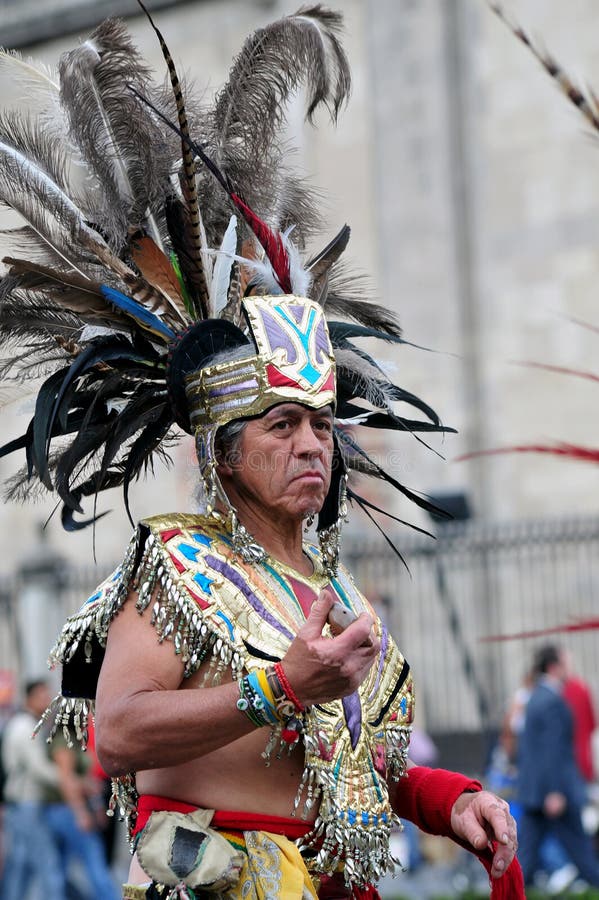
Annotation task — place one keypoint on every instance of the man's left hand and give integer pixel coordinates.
(481, 817)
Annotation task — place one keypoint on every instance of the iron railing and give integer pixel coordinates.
(481, 580)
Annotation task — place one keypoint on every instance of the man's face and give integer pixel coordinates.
(283, 464)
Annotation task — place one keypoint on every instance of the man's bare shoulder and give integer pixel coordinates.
(132, 640)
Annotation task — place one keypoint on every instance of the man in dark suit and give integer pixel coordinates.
(551, 789)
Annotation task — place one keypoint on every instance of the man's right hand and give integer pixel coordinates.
(320, 668)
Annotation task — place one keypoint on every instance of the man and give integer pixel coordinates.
(551, 789)
(195, 745)
(253, 711)
(31, 854)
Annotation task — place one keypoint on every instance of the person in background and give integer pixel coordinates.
(100, 798)
(577, 695)
(72, 814)
(550, 786)
(423, 752)
(30, 850)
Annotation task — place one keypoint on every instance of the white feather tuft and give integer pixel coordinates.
(358, 419)
(263, 273)
(298, 274)
(221, 274)
(27, 81)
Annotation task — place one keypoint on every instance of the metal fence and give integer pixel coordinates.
(479, 580)
(476, 580)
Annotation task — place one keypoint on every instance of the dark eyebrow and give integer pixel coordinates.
(284, 410)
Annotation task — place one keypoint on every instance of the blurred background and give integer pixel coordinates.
(472, 190)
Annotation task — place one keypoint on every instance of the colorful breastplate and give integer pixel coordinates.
(237, 617)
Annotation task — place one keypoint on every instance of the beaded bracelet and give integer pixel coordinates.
(251, 705)
(265, 688)
(284, 706)
(266, 697)
(262, 696)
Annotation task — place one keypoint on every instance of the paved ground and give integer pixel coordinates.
(435, 880)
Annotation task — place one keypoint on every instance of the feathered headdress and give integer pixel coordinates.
(148, 220)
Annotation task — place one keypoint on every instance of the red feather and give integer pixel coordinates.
(562, 370)
(582, 625)
(270, 240)
(573, 451)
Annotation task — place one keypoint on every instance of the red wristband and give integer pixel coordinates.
(426, 797)
(289, 692)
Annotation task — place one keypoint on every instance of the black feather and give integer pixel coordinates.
(86, 444)
(352, 384)
(360, 501)
(43, 421)
(139, 411)
(19, 443)
(101, 351)
(353, 495)
(141, 450)
(389, 420)
(341, 331)
(422, 502)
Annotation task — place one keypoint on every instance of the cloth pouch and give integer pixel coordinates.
(177, 849)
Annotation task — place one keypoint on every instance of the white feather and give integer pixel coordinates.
(32, 89)
(207, 261)
(299, 277)
(82, 64)
(263, 270)
(358, 419)
(48, 210)
(221, 274)
(67, 218)
(25, 81)
(89, 332)
(298, 274)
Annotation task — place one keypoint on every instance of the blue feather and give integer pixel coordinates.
(138, 312)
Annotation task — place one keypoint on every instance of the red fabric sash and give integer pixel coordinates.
(228, 820)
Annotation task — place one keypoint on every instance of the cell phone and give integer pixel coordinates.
(340, 617)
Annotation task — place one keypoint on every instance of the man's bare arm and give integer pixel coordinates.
(145, 720)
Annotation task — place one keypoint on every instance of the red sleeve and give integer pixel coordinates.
(426, 797)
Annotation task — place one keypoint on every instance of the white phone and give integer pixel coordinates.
(340, 617)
